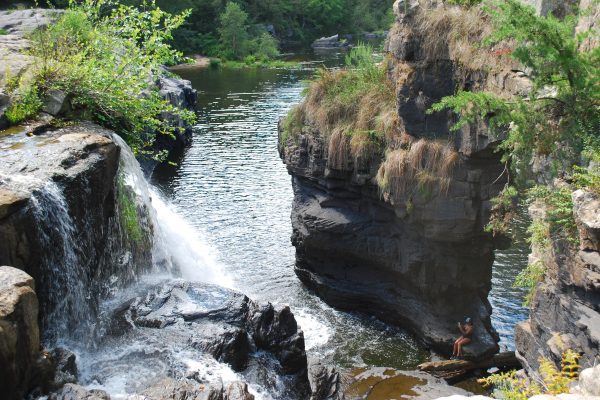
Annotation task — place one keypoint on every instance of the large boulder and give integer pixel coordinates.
(19, 333)
(222, 322)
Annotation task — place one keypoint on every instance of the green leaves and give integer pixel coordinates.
(104, 56)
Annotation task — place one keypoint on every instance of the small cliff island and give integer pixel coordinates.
(407, 170)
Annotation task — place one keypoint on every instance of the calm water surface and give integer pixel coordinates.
(232, 186)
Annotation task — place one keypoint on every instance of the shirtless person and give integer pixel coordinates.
(467, 331)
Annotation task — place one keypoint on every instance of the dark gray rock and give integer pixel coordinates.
(57, 185)
(56, 103)
(217, 321)
(180, 94)
(565, 310)
(325, 382)
(65, 366)
(75, 392)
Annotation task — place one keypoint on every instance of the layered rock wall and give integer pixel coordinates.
(565, 310)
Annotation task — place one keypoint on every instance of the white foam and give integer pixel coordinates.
(316, 333)
(181, 245)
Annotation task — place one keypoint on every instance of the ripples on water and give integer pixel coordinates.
(232, 186)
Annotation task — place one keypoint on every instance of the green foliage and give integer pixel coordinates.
(128, 212)
(266, 47)
(3, 31)
(558, 212)
(503, 207)
(510, 386)
(363, 75)
(233, 31)
(464, 3)
(563, 108)
(102, 55)
(529, 278)
(25, 100)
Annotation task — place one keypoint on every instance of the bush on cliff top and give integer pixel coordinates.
(105, 56)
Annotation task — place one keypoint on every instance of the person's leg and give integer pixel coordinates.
(454, 351)
(463, 342)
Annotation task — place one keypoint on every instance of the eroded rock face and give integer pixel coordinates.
(19, 333)
(565, 311)
(60, 218)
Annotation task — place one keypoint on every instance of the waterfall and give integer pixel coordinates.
(177, 247)
(65, 280)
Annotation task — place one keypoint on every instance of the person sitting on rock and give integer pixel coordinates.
(467, 331)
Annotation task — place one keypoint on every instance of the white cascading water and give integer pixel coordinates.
(64, 268)
(177, 246)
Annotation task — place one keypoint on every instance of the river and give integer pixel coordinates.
(232, 187)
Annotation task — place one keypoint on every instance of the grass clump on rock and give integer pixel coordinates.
(352, 108)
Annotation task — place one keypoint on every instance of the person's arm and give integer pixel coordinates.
(461, 328)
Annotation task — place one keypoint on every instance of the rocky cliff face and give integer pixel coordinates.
(424, 263)
(565, 310)
(69, 218)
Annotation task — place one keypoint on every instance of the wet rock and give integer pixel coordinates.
(19, 332)
(331, 42)
(383, 383)
(238, 391)
(171, 389)
(325, 382)
(57, 185)
(65, 367)
(221, 322)
(75, 392)
(276, 330)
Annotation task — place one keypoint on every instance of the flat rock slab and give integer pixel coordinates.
(384, 383)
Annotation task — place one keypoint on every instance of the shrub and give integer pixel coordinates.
(103, 56)
(509, 386)
(25, 102)
(3, 31)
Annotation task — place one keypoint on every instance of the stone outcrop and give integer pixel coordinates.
(331, 42)
(66, 218)
(426, 263)
(180, 94)
(221, 322)
(19, 333)
(565, 310)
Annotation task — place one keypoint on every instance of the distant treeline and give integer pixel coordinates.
(290, 21)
